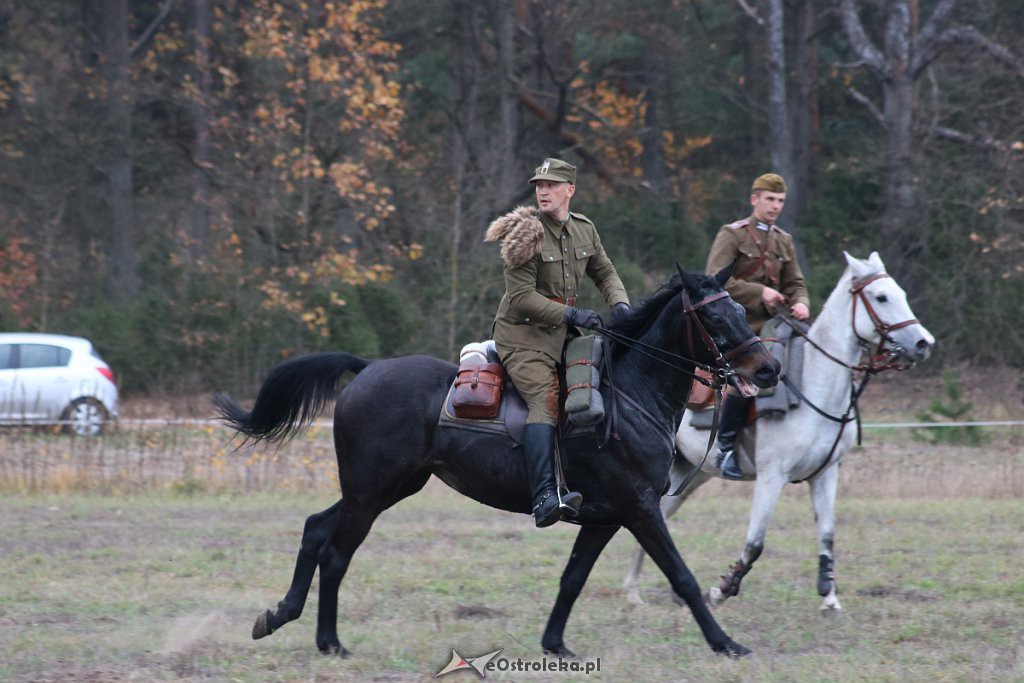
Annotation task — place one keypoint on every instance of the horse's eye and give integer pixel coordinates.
(881, 298)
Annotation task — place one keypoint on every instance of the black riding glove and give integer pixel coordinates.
(583, 317)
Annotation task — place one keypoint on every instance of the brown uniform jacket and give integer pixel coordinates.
(782, 271)
(546, 262)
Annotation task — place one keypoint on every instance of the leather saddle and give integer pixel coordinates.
(511, 418)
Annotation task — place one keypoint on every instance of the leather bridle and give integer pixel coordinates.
(883, 357)
(694, 321)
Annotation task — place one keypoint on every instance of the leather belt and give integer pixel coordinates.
(571, 301)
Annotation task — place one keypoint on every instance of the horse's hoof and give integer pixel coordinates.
(559, 651)
(261, 629)
(733, 650)
(715, 597)
(334, 649)
(633, 596)
(830, 607)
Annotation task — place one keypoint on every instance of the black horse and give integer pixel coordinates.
(388, 443)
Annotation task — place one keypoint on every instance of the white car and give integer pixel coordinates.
(52, 379)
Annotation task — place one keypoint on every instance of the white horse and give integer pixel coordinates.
(867, 311)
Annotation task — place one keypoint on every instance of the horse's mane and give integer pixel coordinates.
(634, 323)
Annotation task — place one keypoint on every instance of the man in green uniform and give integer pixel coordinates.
(766, 275)
(546, 252)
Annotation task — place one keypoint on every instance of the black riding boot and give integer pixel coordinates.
(539, 450)
(734, 414)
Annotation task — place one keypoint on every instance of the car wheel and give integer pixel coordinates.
(84, 417)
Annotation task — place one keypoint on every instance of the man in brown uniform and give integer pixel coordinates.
(766, 275)
(547, 251)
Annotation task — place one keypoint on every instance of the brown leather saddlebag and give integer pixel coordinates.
(478, 390)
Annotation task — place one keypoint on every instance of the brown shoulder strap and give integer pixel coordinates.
(763, 256)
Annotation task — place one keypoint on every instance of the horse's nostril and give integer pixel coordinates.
(923, 344)
(766, 372)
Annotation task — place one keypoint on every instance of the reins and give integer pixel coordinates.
(720, 373)
(721, 360)
(879, 360)
(854, 407)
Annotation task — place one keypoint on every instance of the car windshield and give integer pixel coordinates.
(6, 356)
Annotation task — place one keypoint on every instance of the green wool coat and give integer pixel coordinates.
(545, 261)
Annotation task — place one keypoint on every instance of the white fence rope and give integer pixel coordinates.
(164, 422)
(928, 425)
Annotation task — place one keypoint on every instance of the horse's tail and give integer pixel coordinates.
(291, 397)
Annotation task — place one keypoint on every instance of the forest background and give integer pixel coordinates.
(206, 187)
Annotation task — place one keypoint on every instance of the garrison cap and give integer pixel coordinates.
(556, 170)
(770, 182)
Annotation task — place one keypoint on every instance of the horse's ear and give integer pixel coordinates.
(876, 262)
(857, 267)
(722, 276)
(684, 278)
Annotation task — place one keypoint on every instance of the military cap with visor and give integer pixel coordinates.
(556, 170)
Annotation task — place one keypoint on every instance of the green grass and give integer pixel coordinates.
(166, 586)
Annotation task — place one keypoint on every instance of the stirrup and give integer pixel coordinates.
(551, 516)
(728, 466)
(569, 504)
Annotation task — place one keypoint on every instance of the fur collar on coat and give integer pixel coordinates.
(521, 234)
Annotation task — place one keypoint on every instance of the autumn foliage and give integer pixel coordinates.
(317, 174)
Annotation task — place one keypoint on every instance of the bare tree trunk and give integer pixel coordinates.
(306, 201)
(201, 117)
(805, 116)
(456, 242)
(653, 157)
(508, 167)
(119, 123)
(905, 55)
(552, 62)
(779, 134)
(754, 91)
(463, 124)
(898, 226)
